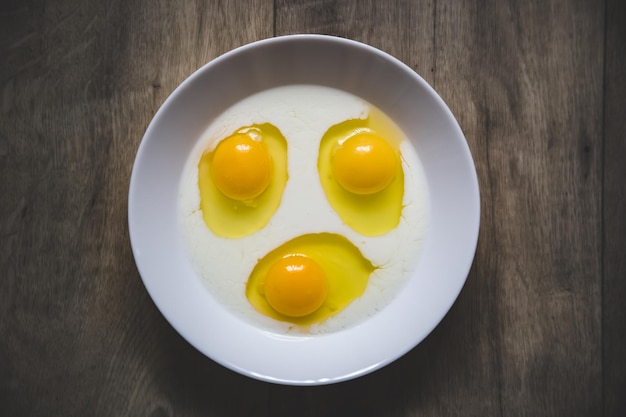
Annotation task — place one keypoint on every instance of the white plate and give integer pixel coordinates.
(446, 256)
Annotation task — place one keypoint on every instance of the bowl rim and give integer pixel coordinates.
(187, 83)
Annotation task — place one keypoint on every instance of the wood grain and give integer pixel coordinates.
(525, 80)
(82, 80)
(401, 28)
(614, 209)
(537, 87)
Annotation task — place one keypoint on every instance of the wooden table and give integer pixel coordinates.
(538, 88)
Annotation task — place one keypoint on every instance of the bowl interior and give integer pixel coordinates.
(453, 222)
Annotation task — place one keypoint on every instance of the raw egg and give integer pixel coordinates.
(321, 258)
(308, 279)
(361, 172)
(241, 181)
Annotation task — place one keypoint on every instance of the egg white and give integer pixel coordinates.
(303, 113)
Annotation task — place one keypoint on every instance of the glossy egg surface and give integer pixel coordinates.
(361, 172)
(308, 221)
(345, 269)
(241, 180)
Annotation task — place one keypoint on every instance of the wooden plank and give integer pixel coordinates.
(614, 204)
(78, 332)
(525, 80)
(401, 28)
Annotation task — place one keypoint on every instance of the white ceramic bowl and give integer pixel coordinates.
(448, 249)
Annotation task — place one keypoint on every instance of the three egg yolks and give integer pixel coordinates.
(296, 286)
(364, 163)
(241, 167)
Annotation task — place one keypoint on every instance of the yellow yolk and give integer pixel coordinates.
(296, 286)
(333, 274)
(364, 163)
(241, 167)
(360, 170)
(242, 180)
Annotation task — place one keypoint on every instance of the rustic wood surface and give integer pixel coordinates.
(538, 88)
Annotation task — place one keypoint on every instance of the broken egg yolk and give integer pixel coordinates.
(296, 286)
(241, 181)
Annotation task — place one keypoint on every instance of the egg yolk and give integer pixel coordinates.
(360, 169)
(242, 180)
(364, 163)
(308, 279)
(241, 167)
(296, 286)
